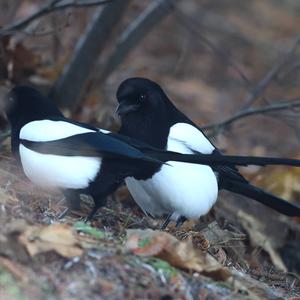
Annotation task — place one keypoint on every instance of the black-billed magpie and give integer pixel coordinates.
(179, 190)
(56, 152)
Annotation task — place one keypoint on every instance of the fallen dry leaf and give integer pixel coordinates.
(60, 238)
(255, 230)
(180, 254)
(225, 243)
(218, 236)
(280, 180)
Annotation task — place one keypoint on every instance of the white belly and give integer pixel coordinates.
(54, 171)
(185, 189)
(181, 188)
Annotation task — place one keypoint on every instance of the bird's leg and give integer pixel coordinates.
(166, 222)
(72, 198)
(100, 189)
(180, 221)
(91, 214)
(65, 212)
(99, 201)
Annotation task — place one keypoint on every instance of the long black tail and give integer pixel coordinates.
(95, 144)
(263, 197)
(217, 159)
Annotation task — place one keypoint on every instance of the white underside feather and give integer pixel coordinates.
(183, 189)
(55, 171)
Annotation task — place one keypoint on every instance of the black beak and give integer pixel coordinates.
(124, 108)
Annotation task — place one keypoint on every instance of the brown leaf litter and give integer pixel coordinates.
(57, 237)
(180, 254)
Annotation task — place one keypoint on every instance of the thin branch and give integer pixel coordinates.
(69, 87)
(291, 69)
(250, 112)
(186, 22)
(52, 6)
(4, 135)
(133, 34)
(262, 85)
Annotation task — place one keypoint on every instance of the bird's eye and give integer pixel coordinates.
(142, 97)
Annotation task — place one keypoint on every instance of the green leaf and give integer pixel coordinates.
(86, 228)
(159, 264)
(144, 242)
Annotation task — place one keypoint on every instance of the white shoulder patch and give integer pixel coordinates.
(190, 137)
(47, 130)
(104, 131)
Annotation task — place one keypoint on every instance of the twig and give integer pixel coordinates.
(246, 111)
(188, 24)
(67, 90)
(251, 112)
(4, 135)
(262, 85)
(134, 33)
(52, 6)
(14, 269)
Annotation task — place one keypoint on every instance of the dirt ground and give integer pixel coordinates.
(73, 260)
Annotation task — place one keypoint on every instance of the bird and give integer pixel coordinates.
(59, 153)
(179, 190)
(56, 152)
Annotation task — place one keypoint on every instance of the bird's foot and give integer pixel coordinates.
(180, 221)
(166, 222)
(65, 212)
(91, 215)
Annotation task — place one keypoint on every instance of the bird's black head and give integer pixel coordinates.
(145, 111)
(139, 96)
(24, 104)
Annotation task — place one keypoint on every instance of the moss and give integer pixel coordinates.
(159, 264)
(9, 285)
(88, 229)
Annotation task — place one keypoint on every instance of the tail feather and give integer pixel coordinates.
(217, 159)
(276, 203)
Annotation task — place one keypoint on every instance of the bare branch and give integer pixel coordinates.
(188, 23)
(262, 85)
(67, 90)
(4, 135)
(132, 36)
(252, 111)
(52, 6)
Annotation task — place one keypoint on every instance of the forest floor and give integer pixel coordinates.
(123, 255)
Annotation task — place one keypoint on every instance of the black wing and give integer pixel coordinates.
(95, 144)
(90, 144)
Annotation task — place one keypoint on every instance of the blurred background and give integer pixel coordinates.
(232, 66)
(214, 59)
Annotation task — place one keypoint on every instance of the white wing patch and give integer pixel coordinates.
(104, 131)
(185, 189)
(191, 137)
(48, 130)
(54, 171)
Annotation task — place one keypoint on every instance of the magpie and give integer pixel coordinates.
(58, 153)
(177, 189)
